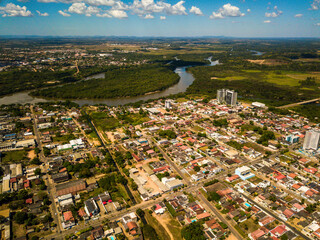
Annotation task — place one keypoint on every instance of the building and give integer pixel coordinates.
(60, 177)
(227, 96)
(172, 183)
(258, 105)
(167, 104)
(72, 187)
(244, 172)
(292, 139)
(91, 207)
(311, 141)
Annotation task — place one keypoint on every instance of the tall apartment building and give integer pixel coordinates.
(311, 141)
(227, 96)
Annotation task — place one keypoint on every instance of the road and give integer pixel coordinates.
(190, 187)
(165, 155)
(50, 187)
(221, 218)
(115, 164)
(300, 103)
(274, 215)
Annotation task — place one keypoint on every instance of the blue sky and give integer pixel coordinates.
(236, 18)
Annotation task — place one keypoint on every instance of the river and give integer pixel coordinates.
(186, 79)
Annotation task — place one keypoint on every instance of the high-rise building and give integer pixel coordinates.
(167, 104)
(227, 96)
(311, 141)
(221, 95)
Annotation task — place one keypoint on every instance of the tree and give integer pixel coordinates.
(37, 171)
(140, 212)
(213, 196)
(193, 231)
(20, 217)
(46, 151)
(196, 168)
(149, 233)
(35, 161)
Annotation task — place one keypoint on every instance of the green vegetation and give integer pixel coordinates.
(63, 138)
(210, 182)
(310, 111)
(14, 156)
(193, 231)
(16, 81)
(274, 85)
(175, 229)
(161, 231)
(149, 232)
(235, 145)
(213, 196)
(167, 134)
(104, 121)
(171, 209)
(220, 122)
(130, 81)
(82, 168)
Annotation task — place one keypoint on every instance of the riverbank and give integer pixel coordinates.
(185, 80)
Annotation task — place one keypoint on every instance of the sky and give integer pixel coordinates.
(164, 18)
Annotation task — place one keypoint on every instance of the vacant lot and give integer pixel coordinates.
(14, 156)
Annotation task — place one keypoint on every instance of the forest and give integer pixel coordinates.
(274, 85)
(121, 82)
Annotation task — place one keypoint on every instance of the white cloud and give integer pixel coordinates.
(143, 7)
(315, 5)
(12, 10)
(47, 1)
(104, 15)
(227, 10)
(64, 13)
(101, 2)
(117, 13)
(163, 18)
(148, 16)
(318, 24)
(196, 11)
(298, 15)
(274, 14)
(267, 21)
(248, 10)
(81, 8)
(45, 14)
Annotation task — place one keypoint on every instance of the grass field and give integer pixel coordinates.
(288, 78)
(18, 230)
(103, 121)
(250, 225)
(175, 229)
(14, 156)
(242, 233)
(64, 138)
(162, 233)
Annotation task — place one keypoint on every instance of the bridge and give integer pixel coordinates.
(300, 103)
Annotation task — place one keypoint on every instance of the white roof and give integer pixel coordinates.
(243, 169)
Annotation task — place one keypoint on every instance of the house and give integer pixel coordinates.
(256, 234)
(244, 172)
(60, 177)
(68, 220)
(91, 207)
(97, 233)
(133, 227)
(278, 231)
(159, 209)
(72, 187)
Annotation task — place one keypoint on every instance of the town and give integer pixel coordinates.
(173, 168)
